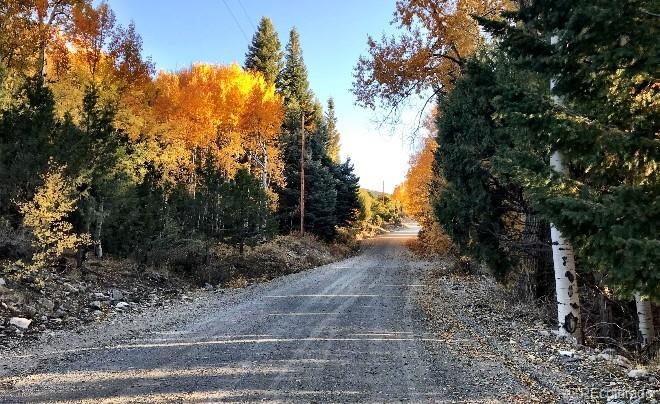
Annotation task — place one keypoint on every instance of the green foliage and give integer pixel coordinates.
(293, 78)
(376, 208)
(348, 203)
(331, 188)
(332, 137)
(264, 52)
(320, 190)
(365, 200)
(248, 215)
(27, 130)
(472, 206)
(92, 152)
(605, 68)
(320, 200)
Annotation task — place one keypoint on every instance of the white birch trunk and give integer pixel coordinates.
(264, 171)
(100, 216)
(566, 285)
(645, 316)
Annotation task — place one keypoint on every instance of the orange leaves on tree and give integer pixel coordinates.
(415, 194)
(92, 30)
(418, 183)
(435, 37)
(224, 110)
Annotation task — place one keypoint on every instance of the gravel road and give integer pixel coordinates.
(349, 331)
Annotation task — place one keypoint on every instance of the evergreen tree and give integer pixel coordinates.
(472, 206)
(248, 215)
(211, 198)
(320, 200)
(604, 66)
(481, 207)
(333, 137)
(317, 141)
(264, 52)
(288, 211)
(93, 157)
(27, 130)
(348, 204)
(298, 97)
(298, 100)
(143, 215)
(294, 75)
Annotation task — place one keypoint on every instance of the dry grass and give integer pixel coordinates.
(432, 242)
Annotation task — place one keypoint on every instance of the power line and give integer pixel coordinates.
(247, 16)
(236, 21)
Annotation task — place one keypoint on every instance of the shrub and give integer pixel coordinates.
(47, 216)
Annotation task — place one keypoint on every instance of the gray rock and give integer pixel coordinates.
(20, 322)
(611, 356)
(121, 306)
(116, 295)
(99, 296)
(69, 287)
(2, 282)
(638, 374)
(208, 287)
(30, 311)
(46, 304)
(96, 305)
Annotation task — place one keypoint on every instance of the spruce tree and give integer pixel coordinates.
(603, 65)
(333, 137)
(248, 216)
(320, 200)
(27, 130)
(294, 75)
(298, 97)
(98, 151)
(297, 100)
(264, 52)
(347, 185)
(472, 206)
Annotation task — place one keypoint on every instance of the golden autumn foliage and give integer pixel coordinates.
(47, 216)
(417, 186)
(436, 36)
(233, 114)
(415, 194)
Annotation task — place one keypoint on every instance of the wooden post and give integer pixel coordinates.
(302, 175)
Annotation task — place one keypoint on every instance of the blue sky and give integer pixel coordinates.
(333, 35)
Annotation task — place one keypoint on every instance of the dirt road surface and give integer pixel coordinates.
(349, 331)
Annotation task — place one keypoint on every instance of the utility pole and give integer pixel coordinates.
(383, 193)
(302, 174)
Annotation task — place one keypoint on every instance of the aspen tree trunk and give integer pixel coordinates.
(46, 22)
(100, 216)
(566, 285)
(264, 171)
(645, 316)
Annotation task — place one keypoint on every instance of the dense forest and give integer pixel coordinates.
(102, 155)
(542, 151)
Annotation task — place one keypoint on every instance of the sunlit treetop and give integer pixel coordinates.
(434, 40)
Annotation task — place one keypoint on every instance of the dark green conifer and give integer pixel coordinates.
(264, 52)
